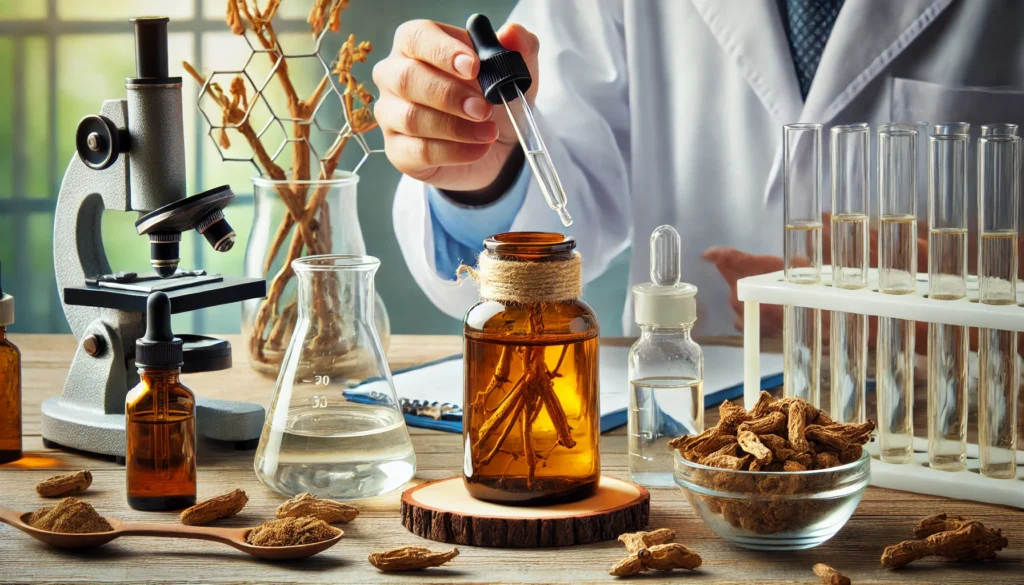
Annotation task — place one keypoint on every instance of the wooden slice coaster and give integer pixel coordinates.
(443, 510)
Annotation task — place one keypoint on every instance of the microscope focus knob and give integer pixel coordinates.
(99, 142)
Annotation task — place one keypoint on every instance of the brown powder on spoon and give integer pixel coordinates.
(291, 532)
(69, 516)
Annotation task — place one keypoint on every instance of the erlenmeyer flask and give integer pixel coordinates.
(334, 427)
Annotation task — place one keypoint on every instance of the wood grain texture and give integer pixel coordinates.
(597, 519)
(884, 516)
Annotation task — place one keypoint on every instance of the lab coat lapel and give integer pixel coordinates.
(867, 36)
(750, 31)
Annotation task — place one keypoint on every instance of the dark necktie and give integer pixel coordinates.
(808, 25)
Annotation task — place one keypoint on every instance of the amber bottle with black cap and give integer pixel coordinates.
(10, 386)
(160, 419)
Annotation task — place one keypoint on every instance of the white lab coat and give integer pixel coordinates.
(671, 111)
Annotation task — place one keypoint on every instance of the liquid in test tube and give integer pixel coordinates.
(848, 341)
(947, 281)
(897, 275)
(801, 329)
(998, 193)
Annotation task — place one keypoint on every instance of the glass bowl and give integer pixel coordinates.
(765, 510)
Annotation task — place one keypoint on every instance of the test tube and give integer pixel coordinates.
(801, 329)
(848, 341)
(897, 275)
(998, 192)
(947, 281)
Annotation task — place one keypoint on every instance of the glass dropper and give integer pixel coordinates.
(504, 77)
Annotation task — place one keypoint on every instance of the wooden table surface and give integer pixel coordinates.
(884, 517)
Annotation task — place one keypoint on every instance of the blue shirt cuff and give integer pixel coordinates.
(460, 230)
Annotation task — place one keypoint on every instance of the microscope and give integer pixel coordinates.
(131, 158)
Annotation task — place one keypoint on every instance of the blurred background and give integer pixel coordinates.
(60, 59)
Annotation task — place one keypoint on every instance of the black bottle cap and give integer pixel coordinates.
(498, 65)
(159, 349)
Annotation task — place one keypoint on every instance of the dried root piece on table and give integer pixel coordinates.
(216, 508)
(970, 541)
(291, 532)
(410, 558)
(938, 523)
(830, 576)
(306, 504)
(660, 557)
(62, 485)
(634, 541)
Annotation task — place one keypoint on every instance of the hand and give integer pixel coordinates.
(437, 125)
(734, 264)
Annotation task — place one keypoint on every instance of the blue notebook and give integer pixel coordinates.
(431, 394)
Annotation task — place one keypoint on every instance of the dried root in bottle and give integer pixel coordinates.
(216, 508)
(410, 558)
(62, 485)
(306, 504)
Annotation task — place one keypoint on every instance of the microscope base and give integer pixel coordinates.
(85, 430)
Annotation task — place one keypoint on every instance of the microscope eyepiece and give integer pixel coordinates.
(151, 47)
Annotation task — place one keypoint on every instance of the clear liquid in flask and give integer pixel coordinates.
(338, 453)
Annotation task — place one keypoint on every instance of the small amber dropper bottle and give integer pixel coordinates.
(10, 386)
(160, 419)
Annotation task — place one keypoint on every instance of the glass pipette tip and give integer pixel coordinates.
(536, 153)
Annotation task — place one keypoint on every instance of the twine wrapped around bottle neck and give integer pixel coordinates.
(526, 282)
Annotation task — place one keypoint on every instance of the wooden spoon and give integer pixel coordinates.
(235, 537)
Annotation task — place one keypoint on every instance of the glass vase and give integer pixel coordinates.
(334, 427)
(331, 222)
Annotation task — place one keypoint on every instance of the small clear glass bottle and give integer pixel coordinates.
(10, 386)
(160, 417)
(666, 366)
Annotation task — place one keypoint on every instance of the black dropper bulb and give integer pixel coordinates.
(498, 65)
(159, 348)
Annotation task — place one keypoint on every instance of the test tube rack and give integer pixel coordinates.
(915, 476)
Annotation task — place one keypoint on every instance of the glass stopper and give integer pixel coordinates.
(665, 252)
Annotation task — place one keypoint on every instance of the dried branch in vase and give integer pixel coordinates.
(306, 225)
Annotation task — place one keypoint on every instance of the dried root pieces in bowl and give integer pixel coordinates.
(951, 537)
(780, 436)
(785, 434)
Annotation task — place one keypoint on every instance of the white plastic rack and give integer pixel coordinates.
(915, 476)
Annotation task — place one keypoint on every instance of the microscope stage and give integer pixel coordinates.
(186, 293)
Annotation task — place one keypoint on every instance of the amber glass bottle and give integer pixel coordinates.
(532, 419)
(10, 386)
(160, 450)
